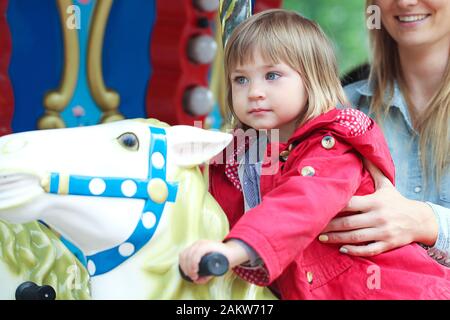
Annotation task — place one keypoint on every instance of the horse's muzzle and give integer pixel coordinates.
(17, 189)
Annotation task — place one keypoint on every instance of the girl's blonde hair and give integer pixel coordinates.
(433, 124)
(285, 36)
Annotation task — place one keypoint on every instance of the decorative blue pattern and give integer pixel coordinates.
(107, 260)
(36, 58)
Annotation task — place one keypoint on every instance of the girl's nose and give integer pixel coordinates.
(256, 92)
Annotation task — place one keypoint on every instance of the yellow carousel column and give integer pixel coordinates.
(56, 101)
(231, 13)
(217, 83)
(107, 99)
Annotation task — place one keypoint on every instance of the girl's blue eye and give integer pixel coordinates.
(272, 76)
(240, 80)
(129, 140)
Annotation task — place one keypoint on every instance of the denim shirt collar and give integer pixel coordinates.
(398, 100)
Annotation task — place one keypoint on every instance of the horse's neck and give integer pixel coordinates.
(115, 220)
(131, 279)
(126, 281)
(93, 224)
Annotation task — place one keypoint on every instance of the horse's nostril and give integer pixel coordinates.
(13, 145)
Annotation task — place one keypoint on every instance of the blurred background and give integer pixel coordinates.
(343, 22)
(67, 63)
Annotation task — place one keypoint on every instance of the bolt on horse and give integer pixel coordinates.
(129, 195)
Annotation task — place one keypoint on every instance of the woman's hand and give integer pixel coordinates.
(387, 220)
(189, 259)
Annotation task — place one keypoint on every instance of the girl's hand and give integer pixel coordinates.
(387, 220)
(189, 258)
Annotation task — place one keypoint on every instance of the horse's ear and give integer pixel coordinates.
(191, 146)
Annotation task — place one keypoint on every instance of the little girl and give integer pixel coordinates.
(282, 75)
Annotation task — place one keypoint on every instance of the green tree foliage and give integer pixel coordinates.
(344, 23)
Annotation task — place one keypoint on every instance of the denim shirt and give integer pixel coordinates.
(403, 142)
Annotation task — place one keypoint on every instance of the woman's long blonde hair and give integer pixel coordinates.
(285, 36)
(433, 124)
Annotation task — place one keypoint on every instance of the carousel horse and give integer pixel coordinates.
(129, 195)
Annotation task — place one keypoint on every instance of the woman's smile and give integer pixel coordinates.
(412, 20)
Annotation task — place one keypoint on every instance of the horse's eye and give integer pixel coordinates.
(129, 141)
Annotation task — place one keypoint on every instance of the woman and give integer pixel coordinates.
(408, 91)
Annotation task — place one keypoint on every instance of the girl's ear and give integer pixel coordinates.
(190, 146)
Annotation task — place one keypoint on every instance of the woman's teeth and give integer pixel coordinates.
(412, 18)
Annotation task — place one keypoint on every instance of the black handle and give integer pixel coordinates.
(31, 291)
(211, 264)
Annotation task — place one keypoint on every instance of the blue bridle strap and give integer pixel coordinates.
(107, 260)
(113, 187)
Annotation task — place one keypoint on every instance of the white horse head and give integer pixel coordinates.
(129, 194)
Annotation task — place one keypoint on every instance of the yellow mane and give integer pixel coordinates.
(33, 252)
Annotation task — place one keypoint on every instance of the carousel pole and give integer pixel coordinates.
(233, 12)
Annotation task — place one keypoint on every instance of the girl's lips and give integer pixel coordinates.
(258, 111)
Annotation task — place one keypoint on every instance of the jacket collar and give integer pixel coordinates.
(318, 122)
(370, 144)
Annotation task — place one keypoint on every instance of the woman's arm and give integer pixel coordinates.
(388, 220)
